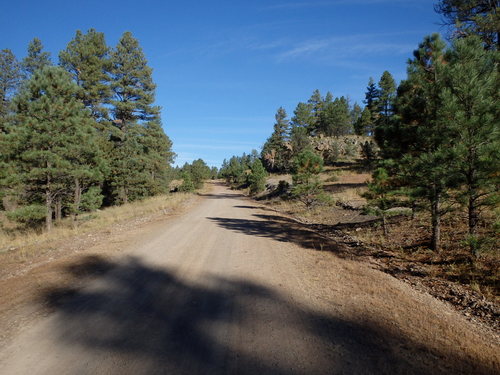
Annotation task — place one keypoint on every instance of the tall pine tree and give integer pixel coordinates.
(275, 150)
(142, 152)
(427, 160)
(470, 107)
(53, 137)
(87, 59)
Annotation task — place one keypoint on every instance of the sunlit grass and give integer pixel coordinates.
(26, 239)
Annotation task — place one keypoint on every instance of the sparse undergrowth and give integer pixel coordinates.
(470, 283)
(28, 241)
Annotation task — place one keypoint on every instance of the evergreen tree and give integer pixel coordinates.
(385, 106)
(470, 107)
(158, 157)
(427, 160)
(275, 151)
(356, 112)
(335, 118)
(257, 177)
(132, 83)
(328, 98)
(371, 95)
(53, 137)
(10, 75)
(306, 184)
(473, 17)
(141, 151)
(316, 102)
(87, 59)
(378, 195)
(187, 182)
(299, 140)
(36, 58)
(364, 123)
(303, 116)
(200, 172)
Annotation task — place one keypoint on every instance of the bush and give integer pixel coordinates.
(32, 215)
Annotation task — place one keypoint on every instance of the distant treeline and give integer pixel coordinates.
(79, 135)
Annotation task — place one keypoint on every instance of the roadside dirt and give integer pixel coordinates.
(227, 287)
(24, 277)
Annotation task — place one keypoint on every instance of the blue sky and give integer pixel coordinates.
(224, 67)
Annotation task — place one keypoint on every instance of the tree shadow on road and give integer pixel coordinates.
(282, 229)
(164, 324)
(222, 196)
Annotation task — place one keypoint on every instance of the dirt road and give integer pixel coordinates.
(232, 288)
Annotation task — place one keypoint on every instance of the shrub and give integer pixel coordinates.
(31, 216)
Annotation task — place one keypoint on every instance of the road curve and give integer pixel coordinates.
(232, 288)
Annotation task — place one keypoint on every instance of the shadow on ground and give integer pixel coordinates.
(222, 196)
(340, 187)
(161, 324)
(281, 229)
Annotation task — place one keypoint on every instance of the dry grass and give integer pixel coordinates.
(28, 240)
(409, 239)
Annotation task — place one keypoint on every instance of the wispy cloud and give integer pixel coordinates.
(304, 49)
(341, 48)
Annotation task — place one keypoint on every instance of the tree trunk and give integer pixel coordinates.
(384, 224)
(48, 204)
(473, 216)
(77, 198)
(58, 210)
(472, 196)
(436, 223)
(124, 196)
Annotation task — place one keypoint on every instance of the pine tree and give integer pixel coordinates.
(275, 150)
(257, 177)
(384, 107)
(299, 140)
(328, 97)
(306, 184)
(132, 84)
(10, 75)
(303, 116)
(371, 95)
(427, 160)
(140, 145)
(200, 172)
(316, 102)
(364, 123)
(36, 58)
(355, 113)
(335, 118)
(158, 155)
(53, 138)
(473, 17)
(470, 108)
(87, 59)
(378, 195)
